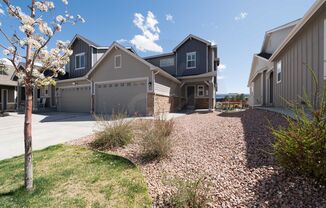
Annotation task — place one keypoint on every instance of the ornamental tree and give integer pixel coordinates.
(36, 25)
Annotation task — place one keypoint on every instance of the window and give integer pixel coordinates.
(200, 90)
(279, 71)
(117, 61)
(80, 61)
(325, 49)
(167, 62)
(191, 60)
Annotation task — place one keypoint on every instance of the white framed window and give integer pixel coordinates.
(191, 60)
(80, 61)
(279, 71)
(200, 90)
(325, 49)
(167, 62)
(117, 61)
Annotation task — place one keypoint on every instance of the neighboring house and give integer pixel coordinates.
(8, 86)
(282, 74)
(108, 80)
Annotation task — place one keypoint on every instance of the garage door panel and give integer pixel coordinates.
(75, 99)
(124, 97)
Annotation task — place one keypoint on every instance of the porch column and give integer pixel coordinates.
(210, 97)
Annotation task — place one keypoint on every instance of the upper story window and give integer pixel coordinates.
(117, 61)
(200, 90)
(80, 61)
(279, 71)
(191, 60)
(167, 62)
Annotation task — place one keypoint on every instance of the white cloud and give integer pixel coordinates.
(241, 16)
(220, 77)
(150, 33)
(169, 18)
(221, 67)
(122, 41)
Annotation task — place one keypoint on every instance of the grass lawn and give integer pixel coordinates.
(69, 176)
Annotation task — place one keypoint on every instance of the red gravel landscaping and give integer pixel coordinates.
(233, 151)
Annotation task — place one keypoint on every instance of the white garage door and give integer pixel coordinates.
(75, 99)
(122, 97)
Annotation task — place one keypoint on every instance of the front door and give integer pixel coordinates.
(4, 99)
(191, 96)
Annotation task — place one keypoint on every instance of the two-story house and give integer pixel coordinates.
(107, 80)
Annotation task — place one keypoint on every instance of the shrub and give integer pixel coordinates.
(116, 132)
(156, 143)
(301, 146)
(190, 193)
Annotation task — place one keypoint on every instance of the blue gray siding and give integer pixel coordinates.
(170, 69)
(201, 50)
(80, 46)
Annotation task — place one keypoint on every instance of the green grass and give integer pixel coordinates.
(69, 176)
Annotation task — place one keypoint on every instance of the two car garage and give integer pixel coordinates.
(128, 97)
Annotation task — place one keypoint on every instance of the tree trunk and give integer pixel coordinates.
(28, 137)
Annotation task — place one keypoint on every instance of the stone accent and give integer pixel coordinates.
(150, 104)
(203, 103)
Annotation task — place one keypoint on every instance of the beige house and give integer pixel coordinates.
(280, 71)
(105, 80)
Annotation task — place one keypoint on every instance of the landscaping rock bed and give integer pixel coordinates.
(233, 152)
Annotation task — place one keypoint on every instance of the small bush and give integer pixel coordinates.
(301, 147)
(116, 132)
(190, 193)
(156, 143)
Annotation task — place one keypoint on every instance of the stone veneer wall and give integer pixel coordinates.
(203, 103)
(162, 104)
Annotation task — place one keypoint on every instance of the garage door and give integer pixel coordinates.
(75, 99)
(122, 97)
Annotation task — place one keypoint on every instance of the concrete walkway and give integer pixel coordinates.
(48, 129)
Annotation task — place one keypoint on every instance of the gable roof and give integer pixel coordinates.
(89, 42)
(191, 36)
(151, 66)
(6, 77)
(315, 7)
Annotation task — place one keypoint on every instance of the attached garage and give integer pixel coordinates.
(75, 99)
(121, 97)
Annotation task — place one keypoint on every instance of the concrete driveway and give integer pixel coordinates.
(48, 129)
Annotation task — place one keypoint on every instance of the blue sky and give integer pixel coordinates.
(236, 26)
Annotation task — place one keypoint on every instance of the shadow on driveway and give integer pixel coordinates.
(66, 117)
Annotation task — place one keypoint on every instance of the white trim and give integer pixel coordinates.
(188, 60)
(316, 6)
(83, 39)
(2, 100)
(325, 49)
(72, 80)
(192, 37)
(203, 88)
(80, 54)
(115, 61)
(279, 71)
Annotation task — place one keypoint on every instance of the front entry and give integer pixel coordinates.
(191, 96)
(4, 98)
